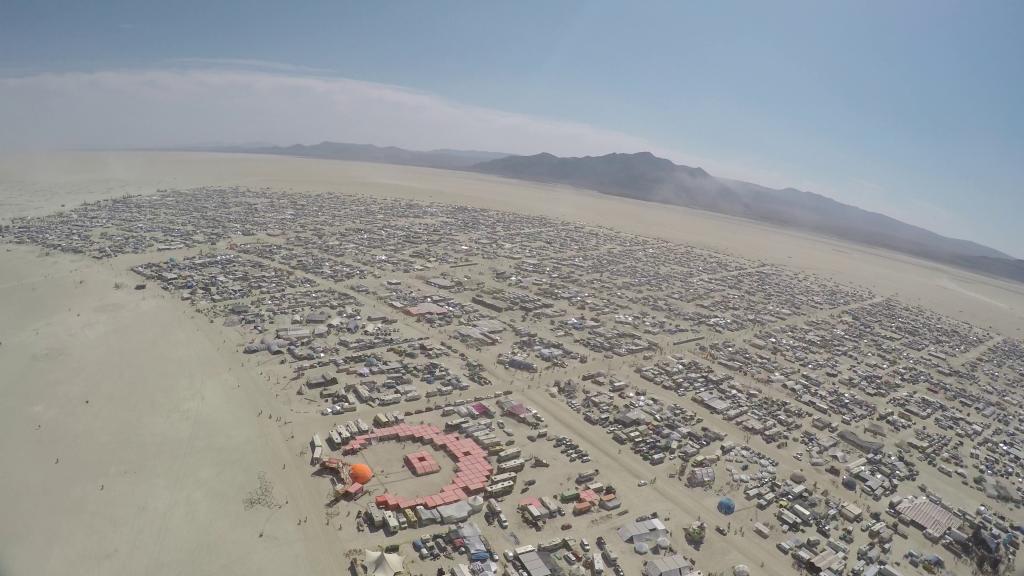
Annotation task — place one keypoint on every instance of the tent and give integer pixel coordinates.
(726, 506)
(381, 564)
(798, 477)
(360, 473)
(740, 570)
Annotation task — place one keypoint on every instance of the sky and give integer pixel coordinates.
(907, 108)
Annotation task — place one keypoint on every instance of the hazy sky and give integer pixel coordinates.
(909, 108)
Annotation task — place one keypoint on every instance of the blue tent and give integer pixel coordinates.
(726, 506)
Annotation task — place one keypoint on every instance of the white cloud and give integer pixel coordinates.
(173, 107)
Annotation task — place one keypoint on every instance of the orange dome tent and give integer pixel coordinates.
(360, 473)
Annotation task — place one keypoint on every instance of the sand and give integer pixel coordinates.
(130, 429)
(130, 437)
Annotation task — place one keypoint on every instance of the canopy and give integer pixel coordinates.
(381, 564)
(726, 506)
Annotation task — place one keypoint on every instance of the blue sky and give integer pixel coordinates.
(909, 108)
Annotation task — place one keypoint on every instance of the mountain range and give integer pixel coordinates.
(445, 159)
(644, 176)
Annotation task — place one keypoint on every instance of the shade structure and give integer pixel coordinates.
(726, 506)
(382, 564)
(360, 473)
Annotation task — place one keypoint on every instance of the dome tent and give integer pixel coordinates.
(360, 473)
(798, 477)
(726, 505)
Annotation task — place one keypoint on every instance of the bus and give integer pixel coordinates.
(506, 477)
(512, 466)
(453, 425)
(509, 454)
(500, 489)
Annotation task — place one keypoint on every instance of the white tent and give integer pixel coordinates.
(381, 564)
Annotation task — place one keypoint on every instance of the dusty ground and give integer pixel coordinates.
(133, 433)
(130, 436)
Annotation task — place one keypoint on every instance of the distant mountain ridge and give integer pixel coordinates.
(643, 176)
(445, 159)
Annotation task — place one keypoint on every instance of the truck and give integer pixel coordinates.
(391, 525)
(610, 558)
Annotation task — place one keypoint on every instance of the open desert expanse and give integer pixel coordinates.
(138, 438)
(130, 435)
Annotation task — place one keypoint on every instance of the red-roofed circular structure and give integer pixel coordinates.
(472, 470)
